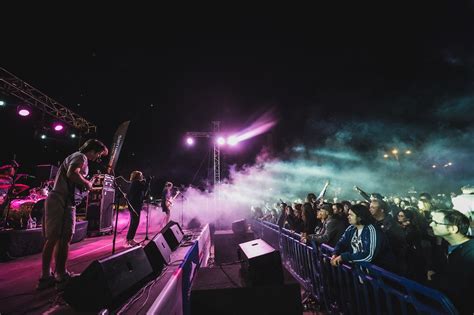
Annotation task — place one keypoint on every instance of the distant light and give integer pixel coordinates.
(73, 135)
(385, 156)
(395, 151)
(23, 111)
(2, 103)
(232, 140)
(189, 141)
(220, 141)
(58, 127)
(43, 136)
(408, 152)
(434, 166)
(450, 163)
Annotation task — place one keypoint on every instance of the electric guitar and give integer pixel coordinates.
(80, 193)
(169, 201)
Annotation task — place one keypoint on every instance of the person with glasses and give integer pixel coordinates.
(456, 279)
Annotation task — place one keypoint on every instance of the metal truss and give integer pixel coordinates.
(14, 86)
(216, 151)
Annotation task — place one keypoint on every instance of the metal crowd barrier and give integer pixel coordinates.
(350, 289)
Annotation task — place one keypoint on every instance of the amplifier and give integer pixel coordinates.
(99, 209)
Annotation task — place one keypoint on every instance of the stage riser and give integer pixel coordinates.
(19, 243)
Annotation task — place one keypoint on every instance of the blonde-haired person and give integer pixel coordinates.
(136, 195)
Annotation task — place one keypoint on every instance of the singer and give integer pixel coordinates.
(136, 194)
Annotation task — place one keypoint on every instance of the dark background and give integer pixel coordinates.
(173, 72)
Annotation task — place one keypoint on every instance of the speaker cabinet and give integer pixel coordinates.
(46, 172)
(173, 234)
(261, 263)
(110, 281)
(226, 245)
(239, 226)
(220, 290)
(100, 204)
(158, 253)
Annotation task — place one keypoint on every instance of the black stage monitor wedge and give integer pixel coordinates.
(110, 281)
(261, 263)
(158, 253)
(226, 245)
(173, 234)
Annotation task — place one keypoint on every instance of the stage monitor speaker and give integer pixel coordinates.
(219, 290)
(158, 253)
(226, 245)
(173, 234)
(110, 281)
(261, 263)
(239, 226)
(100, 204)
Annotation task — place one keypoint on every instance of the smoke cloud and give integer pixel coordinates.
(351, 153)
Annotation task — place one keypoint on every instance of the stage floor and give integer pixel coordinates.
(18, 278)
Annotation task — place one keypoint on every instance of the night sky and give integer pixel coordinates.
(370, 78)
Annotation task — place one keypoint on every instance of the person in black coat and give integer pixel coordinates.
(456, 280)
(136, 195)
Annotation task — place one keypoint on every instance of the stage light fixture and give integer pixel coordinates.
(385, 156)
(43, 136)
(58, 127)
(189, 141)
(220, 141)
(23, 110)
(73, 135)
(2, 103)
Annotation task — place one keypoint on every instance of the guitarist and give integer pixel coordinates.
(167, 200)
(60, 212)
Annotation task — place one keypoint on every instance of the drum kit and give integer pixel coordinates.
(20, 203)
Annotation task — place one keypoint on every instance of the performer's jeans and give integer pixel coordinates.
(134, 221)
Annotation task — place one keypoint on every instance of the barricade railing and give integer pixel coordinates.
(360, 288)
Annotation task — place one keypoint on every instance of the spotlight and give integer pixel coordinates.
(43, 136)
(220, 141)
(73, 135)
(408, 152)
(232, 140)
(450, 163)
(433, 166)
(395, 151)
(189, 141)
(23, 110)
(385, 156)
(58, 127)
(2, 103)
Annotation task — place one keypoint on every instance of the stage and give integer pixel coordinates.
(18, 277)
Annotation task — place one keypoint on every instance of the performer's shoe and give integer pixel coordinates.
(131, 243)
(61, 282)
(46, 282)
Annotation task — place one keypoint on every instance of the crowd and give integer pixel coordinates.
(419, 237)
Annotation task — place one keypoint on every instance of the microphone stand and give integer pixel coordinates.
(117, 204)
(147, 209)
